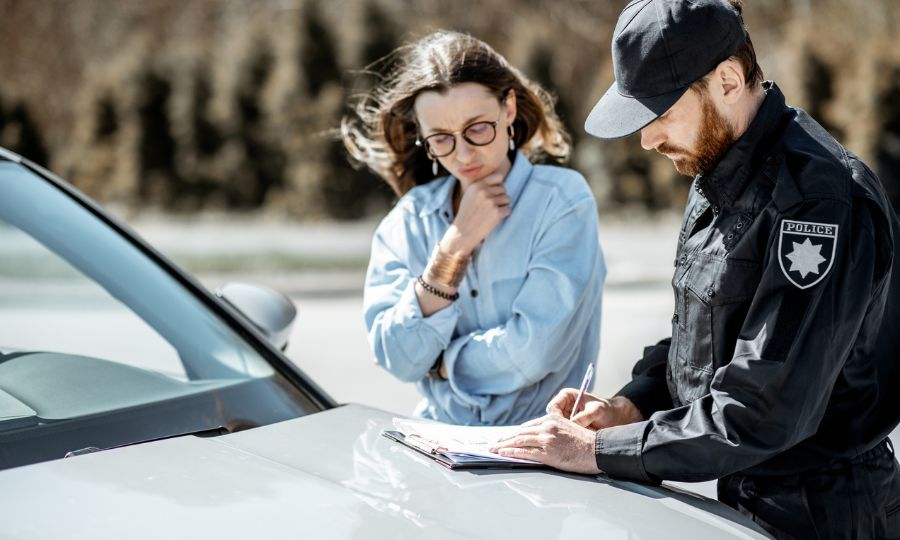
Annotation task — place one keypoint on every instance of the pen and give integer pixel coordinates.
(588, 374)
(421, 444)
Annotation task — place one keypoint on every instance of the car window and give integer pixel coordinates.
(54, 307)
(102, 346)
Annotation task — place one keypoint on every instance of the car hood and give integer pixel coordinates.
(332, 475)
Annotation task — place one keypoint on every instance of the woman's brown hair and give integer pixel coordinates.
(381, 130)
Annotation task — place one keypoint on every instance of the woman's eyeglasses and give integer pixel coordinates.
(477, 134)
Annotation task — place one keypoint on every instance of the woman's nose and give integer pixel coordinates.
(464, 150)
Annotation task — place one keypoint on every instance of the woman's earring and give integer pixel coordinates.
(434, 167)
(512, 134)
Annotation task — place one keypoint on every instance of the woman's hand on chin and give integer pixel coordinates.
(484, 204)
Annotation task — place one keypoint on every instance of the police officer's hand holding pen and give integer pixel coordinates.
(594, 412)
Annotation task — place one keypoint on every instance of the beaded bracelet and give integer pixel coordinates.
(437, 292)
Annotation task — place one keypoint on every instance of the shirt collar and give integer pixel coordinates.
(514, 183)
(727, 180)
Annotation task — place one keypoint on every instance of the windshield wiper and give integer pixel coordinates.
(212, 432)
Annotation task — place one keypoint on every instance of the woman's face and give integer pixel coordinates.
(445, 116)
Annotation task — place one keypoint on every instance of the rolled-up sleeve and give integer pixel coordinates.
(404, 342)
(549, 314)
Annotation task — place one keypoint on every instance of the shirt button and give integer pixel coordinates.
(740, 225)
(675, 319)
(474, 293)
(446, 214)
(730, 236)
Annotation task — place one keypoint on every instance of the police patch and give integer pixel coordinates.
(806, 251)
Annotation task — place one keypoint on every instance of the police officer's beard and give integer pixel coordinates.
(714, 138)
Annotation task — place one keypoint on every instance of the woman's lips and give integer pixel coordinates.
(469, 172)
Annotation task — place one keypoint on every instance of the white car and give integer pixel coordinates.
(136, 404)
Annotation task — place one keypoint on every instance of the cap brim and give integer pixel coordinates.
(616, 115)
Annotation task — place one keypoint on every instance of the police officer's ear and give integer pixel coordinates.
(728, 82)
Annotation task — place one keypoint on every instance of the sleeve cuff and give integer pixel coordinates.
(619, 451)
(458, 382)
(443, 322)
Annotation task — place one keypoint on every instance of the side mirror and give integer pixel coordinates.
(270, 311)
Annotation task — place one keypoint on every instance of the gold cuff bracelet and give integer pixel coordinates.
(446, 269)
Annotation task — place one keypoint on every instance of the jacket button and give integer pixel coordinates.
(683, 259)
(710, 293)
(675, 319)
(474, 293)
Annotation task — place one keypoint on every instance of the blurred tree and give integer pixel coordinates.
(887, 151)
(2, 119)
(107, 120)
(350, 192)
(541, 70)
(265, 160)
(818, 86)
(635, 184)
(20, 134)
(157, 146)
(206, 136)
(246, 128)
(380, 37)
(318, 58)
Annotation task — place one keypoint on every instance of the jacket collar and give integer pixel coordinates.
(442, 196)
(727, 180)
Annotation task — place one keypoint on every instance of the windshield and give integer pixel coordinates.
(100, 347)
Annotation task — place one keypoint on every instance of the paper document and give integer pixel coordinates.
(457, 443)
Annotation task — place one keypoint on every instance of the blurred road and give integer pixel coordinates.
(322, 269)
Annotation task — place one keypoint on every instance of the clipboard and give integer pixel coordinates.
(454, 460)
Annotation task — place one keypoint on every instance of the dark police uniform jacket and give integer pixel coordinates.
(785, 347)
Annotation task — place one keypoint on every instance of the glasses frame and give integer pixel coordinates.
(462, 133)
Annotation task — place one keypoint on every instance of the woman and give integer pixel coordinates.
(485, 279)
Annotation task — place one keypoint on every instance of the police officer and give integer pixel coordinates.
(782, 375)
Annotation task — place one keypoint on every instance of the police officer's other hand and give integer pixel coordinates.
(554, 441)
(484, 204)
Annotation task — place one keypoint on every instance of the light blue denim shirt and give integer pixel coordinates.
(527, 322)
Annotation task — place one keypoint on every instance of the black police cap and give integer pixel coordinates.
(659, 48)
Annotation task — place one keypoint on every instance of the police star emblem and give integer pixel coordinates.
(806, 251)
